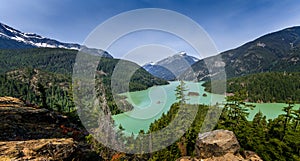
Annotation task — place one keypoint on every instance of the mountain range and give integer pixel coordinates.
(38, 71)
(11, 38)
(277, 51)
(36, 52)
(171, 67)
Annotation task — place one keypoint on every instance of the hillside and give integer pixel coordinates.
(61, 61)
(266, 87)
(278, 51)
(31, 74)
(49, 59)
(53, 90)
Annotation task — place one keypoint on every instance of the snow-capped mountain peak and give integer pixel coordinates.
(33, 35)
(173, 66)
(150, 63)
(182, 53)
(11, 38)
(31, 39)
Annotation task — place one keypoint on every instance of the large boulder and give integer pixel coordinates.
(216, 143)
(226, 157)
(219, 145)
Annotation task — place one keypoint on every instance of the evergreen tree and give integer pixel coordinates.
(236, 108)
(296, 115)
(180, 92)
(43, 96)
(288, 116)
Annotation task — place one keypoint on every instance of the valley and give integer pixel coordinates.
(150, 104)
(260, 106)
(157, 100)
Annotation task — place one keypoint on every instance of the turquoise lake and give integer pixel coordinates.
(150, 104)
(270, 110)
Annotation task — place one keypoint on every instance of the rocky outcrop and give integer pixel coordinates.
(10, 102)
(42, 149)
(226, 157)
(30, 133)
(193, 94)
(216, 143)
(19, 122)
(220, 145)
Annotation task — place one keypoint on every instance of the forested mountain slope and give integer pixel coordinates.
(265, 87)
(278, 51)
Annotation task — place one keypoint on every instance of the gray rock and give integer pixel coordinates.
(216, 143)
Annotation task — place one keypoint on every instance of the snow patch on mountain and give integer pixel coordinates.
(33, 39)
(172, 66)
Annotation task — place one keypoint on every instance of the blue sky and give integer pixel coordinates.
(229, 23)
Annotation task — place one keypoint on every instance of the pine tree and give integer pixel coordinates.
(43, 96)
(296, 115)
(287, 115)
(180, 95)
(236, 108)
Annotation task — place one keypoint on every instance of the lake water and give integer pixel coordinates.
(150, 104)
(270, 110)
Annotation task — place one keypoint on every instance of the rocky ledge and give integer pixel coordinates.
(220, 145)
(22, 122)
(41, 149)
(32, 133)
